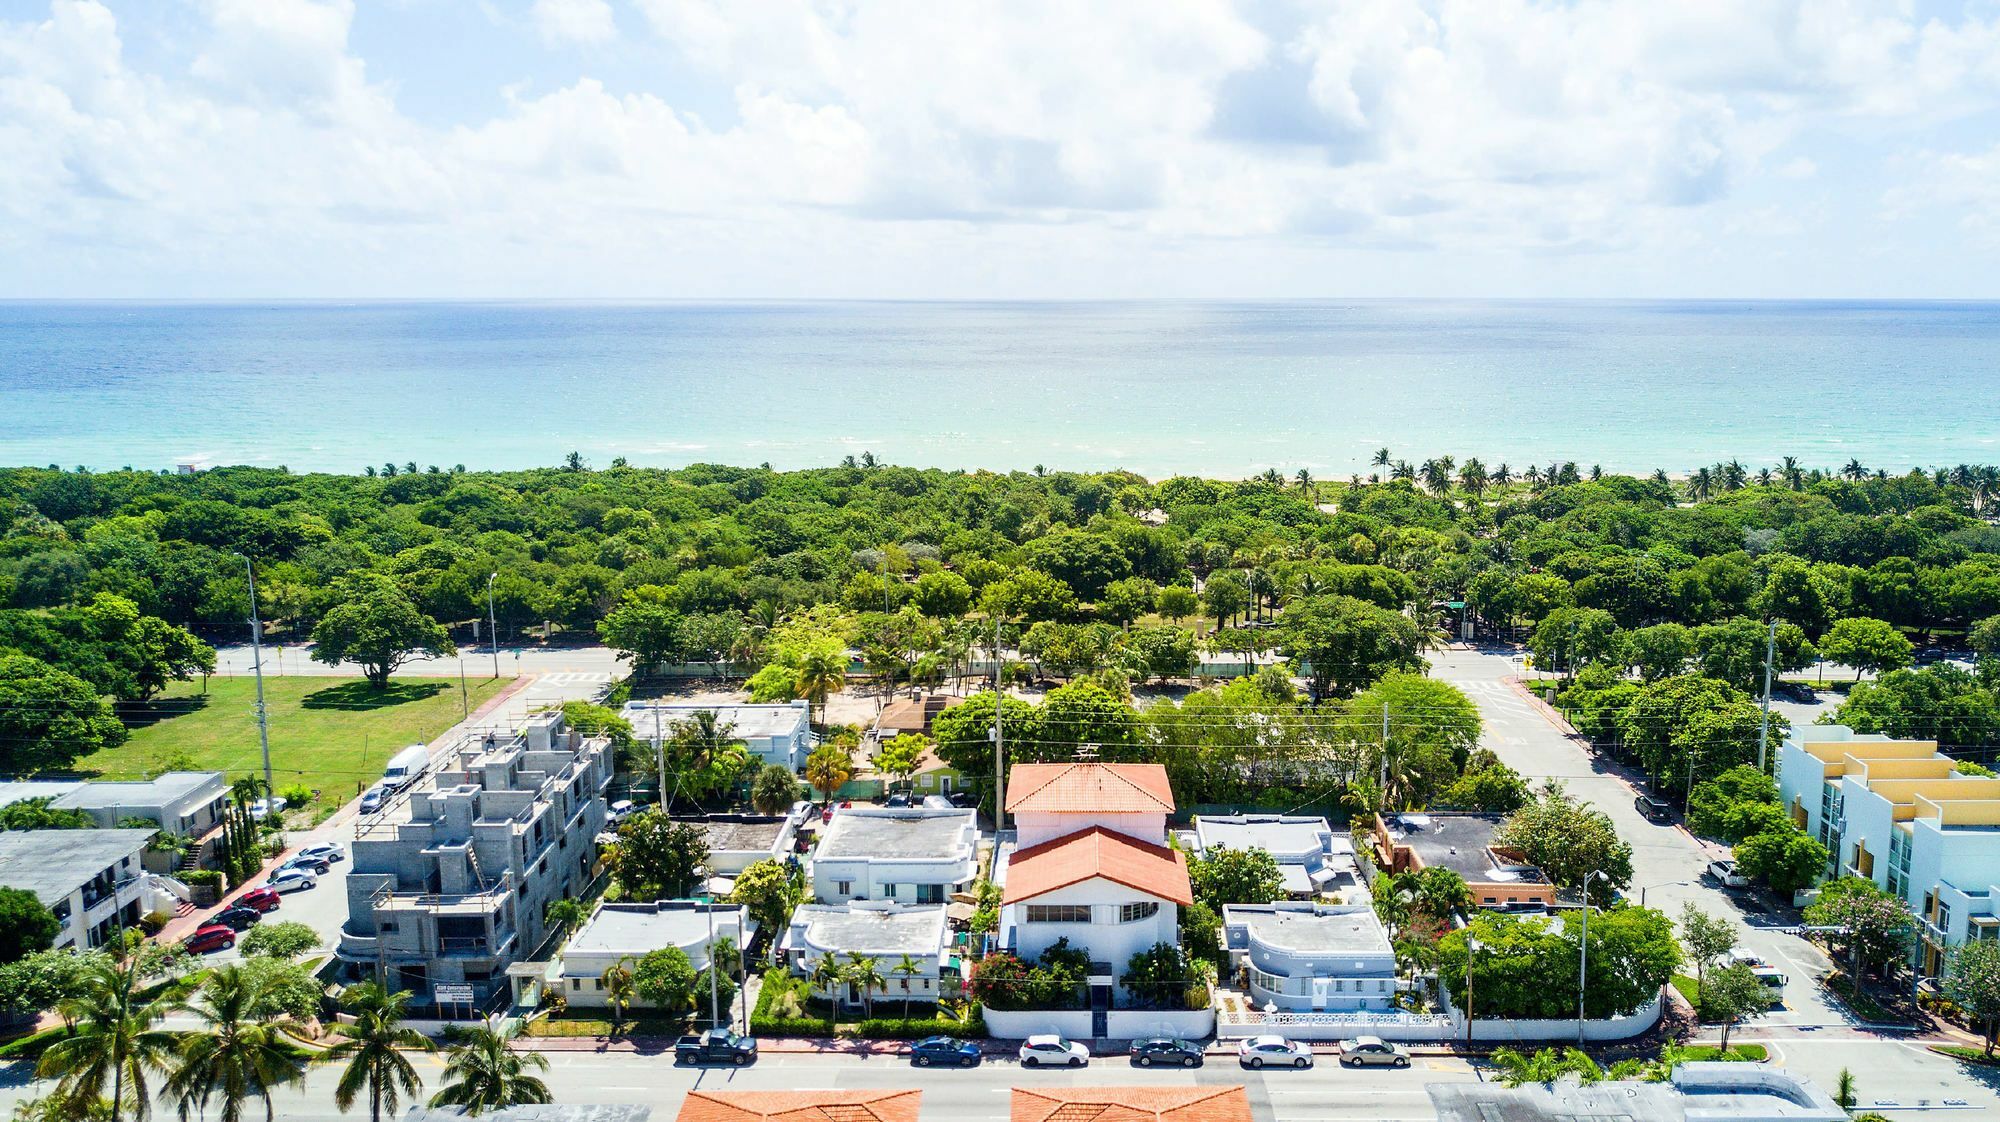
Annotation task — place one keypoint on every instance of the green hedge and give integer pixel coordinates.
(195, 878)
(916, 1028)
(30, 1047)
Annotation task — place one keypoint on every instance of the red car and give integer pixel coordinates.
(262, 899)
(214, 937)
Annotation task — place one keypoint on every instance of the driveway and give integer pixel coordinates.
(1667, 861)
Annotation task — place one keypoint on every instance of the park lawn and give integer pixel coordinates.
(332, 734)
(1688, 988)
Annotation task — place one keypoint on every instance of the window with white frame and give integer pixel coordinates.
(1133, 913)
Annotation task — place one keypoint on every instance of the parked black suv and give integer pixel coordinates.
(1655, 810)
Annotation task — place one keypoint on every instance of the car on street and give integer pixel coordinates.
(262, 899)
(331, 851)
(1725, 874)
(373, 798)
(717, 1046)
(264, 808)
(236, 917)
(617, 812)
(1050, 1050)
(292, 880)
(1373, 1051)
(1654, 810)
(1167, 1051)
(944, 1050)
(317, 866)
(1273, 1051)
(211, 937)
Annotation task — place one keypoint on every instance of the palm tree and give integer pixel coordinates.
(1793, 475)
(1305, 480)
(704, 736)
(905, 969)
(246, 790)
(240, 1052)
(822, 670)
(1854, 471)
(1402, 470)
(1534, 476)
(619, 990)
(828, 976)
(372, 1048)
(1502, 475)
(1545, 1066)
(482, 1073)
(114, 1037)
(1472, 477)
(862, 971)
(1381, 459)
(565, 915)
(1701, 484)
(1764, 477)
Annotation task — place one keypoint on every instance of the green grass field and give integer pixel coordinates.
(332, 734)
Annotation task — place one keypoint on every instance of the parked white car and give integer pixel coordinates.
(1373, 1051)
(330, 851)
(1053, 1051)
(291, 880)
(1725, 874)
(1276, 1051)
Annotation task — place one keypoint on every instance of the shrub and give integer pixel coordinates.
(278, 940)
(152, 922)
(195, 878)
(296, 795)
(781, 1009)
(916, 1028)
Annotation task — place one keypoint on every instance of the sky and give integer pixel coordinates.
(250, 149)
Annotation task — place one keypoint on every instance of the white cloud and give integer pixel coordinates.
(588, 22)
(956, 147)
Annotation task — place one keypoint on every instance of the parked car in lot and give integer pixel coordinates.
(292, 880)
(211, 937)
(899, 800)
(617, 812)
(236, 917)
(944, 1050)
(314, 865)
(262, 899)
(1166, 1050)
(1050, 1050)
(1373, 1051)
(264, 808)
(1725, 874)
(715, 1046)
(331, 851)
(1259, 1051)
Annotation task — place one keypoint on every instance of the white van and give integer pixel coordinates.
(405, 766)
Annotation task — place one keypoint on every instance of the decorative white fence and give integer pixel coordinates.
(1413, 1027)
(1124, 1024)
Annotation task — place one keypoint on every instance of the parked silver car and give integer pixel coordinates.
(1373, 1051)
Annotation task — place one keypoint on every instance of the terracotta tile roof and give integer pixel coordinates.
(1098, 852)
(1089, 788)
(1131, 1104)
(800, 1106)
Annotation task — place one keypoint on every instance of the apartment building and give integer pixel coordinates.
(450, 884)
(1897, 812)
(91, 880)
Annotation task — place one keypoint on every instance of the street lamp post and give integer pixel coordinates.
(257, 666)
(708, 906)
(1472, 948)
(1583, 953)
(493, 625)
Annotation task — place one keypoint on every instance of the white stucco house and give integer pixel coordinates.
(1312, 958)
(1312, 858)
(1093, 866)
(622, 932)
(776, 734)
(881, 930)
(910, 855)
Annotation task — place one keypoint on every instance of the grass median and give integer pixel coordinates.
(333, 735)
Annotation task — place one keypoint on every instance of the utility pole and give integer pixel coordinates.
(1583, 956)
(493, 624)
(257, 665)
(714, 1012)
(999, 739)
(464, 699)
(1384, 780)
(1770, 656)
(660, 756)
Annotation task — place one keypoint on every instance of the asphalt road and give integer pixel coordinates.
(978, 1094)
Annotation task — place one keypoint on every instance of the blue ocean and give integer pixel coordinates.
(1224, 389)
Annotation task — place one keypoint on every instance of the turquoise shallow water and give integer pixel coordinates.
(1218, 388)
